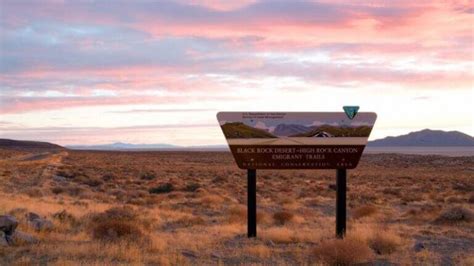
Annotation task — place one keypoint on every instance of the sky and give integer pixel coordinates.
(94, 72)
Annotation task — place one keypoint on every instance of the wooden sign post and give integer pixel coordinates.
(341, 202)
(251, 203)
(297, 140)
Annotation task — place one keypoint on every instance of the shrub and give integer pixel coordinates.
(363, 211)
(471, 199)
(117, 223)
(280, 235)
(455, 215)
(65, 217)
(57, 190)
(260, 251)
(163, 188)
(343, 252)
(188, 221)
(116, 214)
(74, 190)
(262, 217)
(67, 173)
(108, 177)
(392, 191)
(109, 230)
(238, 214)
(384, 242)
(34, 192)
(218, 179)
(283, 217)
(211, 200)
(121, 213)
(148, 175)
(192, 187)
(91, 181)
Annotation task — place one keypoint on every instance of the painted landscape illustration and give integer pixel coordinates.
(236, 130)
(344, 132)
(296, 128)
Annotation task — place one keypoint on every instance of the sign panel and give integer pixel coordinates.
(296, 140)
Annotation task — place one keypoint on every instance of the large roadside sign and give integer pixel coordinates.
(297, 140)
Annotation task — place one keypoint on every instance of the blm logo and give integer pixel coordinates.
(351, 111)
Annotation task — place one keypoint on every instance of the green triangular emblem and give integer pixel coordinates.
(351, 111)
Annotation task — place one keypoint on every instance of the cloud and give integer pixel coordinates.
(28, 104)
(162, 111)
(99, 129)
(169, 35)
(146, 57)
(421, 98)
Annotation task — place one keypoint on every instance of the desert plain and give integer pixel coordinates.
(189, 208)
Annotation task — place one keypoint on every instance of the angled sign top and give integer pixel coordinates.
(297, 140)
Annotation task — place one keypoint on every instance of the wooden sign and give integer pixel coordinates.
(297, 140)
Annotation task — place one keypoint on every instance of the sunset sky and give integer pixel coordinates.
(93, 72)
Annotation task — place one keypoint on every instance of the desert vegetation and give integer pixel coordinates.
(188, 208)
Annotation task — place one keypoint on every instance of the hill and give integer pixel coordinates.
(428, 138)
(27, 144)
(236, 130)
(361, 131)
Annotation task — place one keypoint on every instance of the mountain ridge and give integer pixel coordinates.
(120, 146)
(426, 138)
(28, 144)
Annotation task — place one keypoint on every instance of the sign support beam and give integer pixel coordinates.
(341, 188)
(251, 203)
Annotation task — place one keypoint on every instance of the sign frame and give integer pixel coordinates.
(341, 145)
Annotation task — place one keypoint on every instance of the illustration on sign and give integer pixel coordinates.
(295, 140)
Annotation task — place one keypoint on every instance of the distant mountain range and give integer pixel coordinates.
(120, 146)
(426, 138)
(423, 138)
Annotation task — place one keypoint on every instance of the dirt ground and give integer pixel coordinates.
(188, 208)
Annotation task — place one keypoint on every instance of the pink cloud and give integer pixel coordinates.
(119, 48)
(28, 104)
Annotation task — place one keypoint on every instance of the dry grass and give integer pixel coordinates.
(467, 261)
(385, 242)
(279, 235)
(111, 230)
(263, 218)
(364, 211)
(211, 200)
(100, 202)
(260, 251)
(237, 214)
(283, 217)
(455, 215)
(343, 252)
